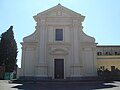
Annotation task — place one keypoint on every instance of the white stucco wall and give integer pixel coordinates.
(40, 49)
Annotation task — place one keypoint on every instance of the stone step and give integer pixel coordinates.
(83, 79)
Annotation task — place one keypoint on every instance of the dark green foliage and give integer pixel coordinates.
(8, 50)
(1, 61)
(109, 75)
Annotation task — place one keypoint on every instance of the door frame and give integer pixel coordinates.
(54, 67)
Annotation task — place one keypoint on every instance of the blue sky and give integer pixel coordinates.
(102, 18)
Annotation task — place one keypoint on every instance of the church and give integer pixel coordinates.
(59, 49)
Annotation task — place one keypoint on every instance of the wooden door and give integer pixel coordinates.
(59, 68)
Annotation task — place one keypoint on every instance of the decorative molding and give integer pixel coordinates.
(59, 51)
(76, 75)
(42, 65)
(27, 44)
(88, 44)
(108, 57)
(61, 9)
(76, 66)
(42, 76)
(59, 43)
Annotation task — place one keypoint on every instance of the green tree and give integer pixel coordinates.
(1, 60)
(8, 50)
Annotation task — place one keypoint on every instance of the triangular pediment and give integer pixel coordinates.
(58, 11)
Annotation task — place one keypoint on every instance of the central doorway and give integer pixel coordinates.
(58, 68)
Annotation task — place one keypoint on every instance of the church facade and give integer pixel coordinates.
(59, 49)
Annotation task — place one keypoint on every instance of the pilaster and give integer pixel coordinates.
(42, 66)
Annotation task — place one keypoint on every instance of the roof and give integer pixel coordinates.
(108, 45)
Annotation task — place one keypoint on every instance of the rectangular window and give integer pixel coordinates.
(59, 34)
(102, 67)
(112, 68)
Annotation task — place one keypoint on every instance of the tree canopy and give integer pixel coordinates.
(8, 50)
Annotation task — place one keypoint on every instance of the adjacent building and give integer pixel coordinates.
(108, 57)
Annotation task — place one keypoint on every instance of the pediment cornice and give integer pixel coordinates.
(58, 11)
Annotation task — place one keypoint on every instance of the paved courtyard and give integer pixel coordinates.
(4, 85)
